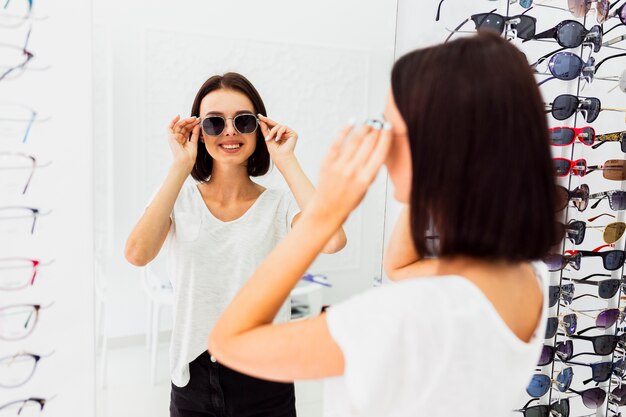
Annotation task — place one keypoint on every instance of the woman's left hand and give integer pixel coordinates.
(280, 139)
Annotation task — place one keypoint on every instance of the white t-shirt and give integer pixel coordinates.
(429, 347)
(209, 261)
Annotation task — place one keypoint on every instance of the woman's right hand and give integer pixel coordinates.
(184, 148)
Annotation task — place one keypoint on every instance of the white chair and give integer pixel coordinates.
(159, 292)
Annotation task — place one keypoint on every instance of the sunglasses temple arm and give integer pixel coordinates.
(545, 81)
(597, 145)
(439, 11)
(547, 34)
(606, 59)
(457, 29)
(614, 40)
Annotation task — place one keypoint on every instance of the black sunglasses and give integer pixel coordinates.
(569, 323)
(565, 106)
(559, 408)
(523, 26)
(244, 123)
(607, 288)
(604, 344)
(572, 34)
(563, 350)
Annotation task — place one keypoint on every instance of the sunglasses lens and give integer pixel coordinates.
(565, 66)
(604, 345)
(554, 293)
(561, 136)
(555, 262)
(551, 327)
(613, 260)
(615, 170)
(562, 197)
(607, 318)
(547, 354)
(570, 321)
(581, 193)
(564, 106)
(608, 288)
(526, 27)
(622, 14)
(600, 372)
(594, 36)
(213, 126)
(576, 232)
(564, 379)
(539, 386)
(602, 8)
(565, 350)
(591, 106)
(620, 395)
(594, 397)
(489, 22)
(561, 408)
(614, 231)
(578, 8)
(587, 136)
(571, 34)
(561, 166)
(245, 123)
(617, 200)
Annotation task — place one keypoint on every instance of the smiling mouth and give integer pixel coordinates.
(231, 146)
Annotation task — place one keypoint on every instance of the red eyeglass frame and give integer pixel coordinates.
(572, 165)
(577, 133)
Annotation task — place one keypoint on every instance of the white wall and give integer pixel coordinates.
(61, 93)
(316, 66)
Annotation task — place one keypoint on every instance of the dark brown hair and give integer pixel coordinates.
(259, 161)
(482, 168)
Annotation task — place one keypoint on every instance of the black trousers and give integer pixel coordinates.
(217, 391)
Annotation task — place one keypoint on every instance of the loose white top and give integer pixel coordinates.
(209, 260)
(429, 347)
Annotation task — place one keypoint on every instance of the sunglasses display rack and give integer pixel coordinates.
(46, 278)
(573, 46)
(582, 368)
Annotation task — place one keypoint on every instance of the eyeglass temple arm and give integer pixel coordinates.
(457, 29)
(591, 219)
(606, 59)
(547, 34)
(614, 40)
(545, 81)
(439, 11)
(585, 295)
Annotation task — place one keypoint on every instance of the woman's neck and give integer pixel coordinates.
(229, 183)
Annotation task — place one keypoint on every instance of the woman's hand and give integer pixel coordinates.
(280, 139)
(349, 169)
(184, 148)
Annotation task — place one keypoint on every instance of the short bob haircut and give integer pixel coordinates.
(259, 161)
(482, 168)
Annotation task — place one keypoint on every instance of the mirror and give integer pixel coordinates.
(315, 65)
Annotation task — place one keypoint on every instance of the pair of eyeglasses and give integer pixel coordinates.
(16, 213)
(563, 350)
(605, 319)
(575, 230)
(602, 371)
(565, 106)
(19, 57)
(15, 12)
(540, 384)
(567, 66)
(524, 3)
(564, 167)
(612, 260)
(29, 407)
(18, 273)
(18, 161)
(565, 136)
(612, 137)
(18, 321)
(572, 34)
(521, 26)
(617, 199)
(557, 262)
(16, 370)
(16, 121)
(244, 123)
(558, 408)
(607, 288)
(568, 322)
(602, 345)
(566, 292)
(579, 196)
